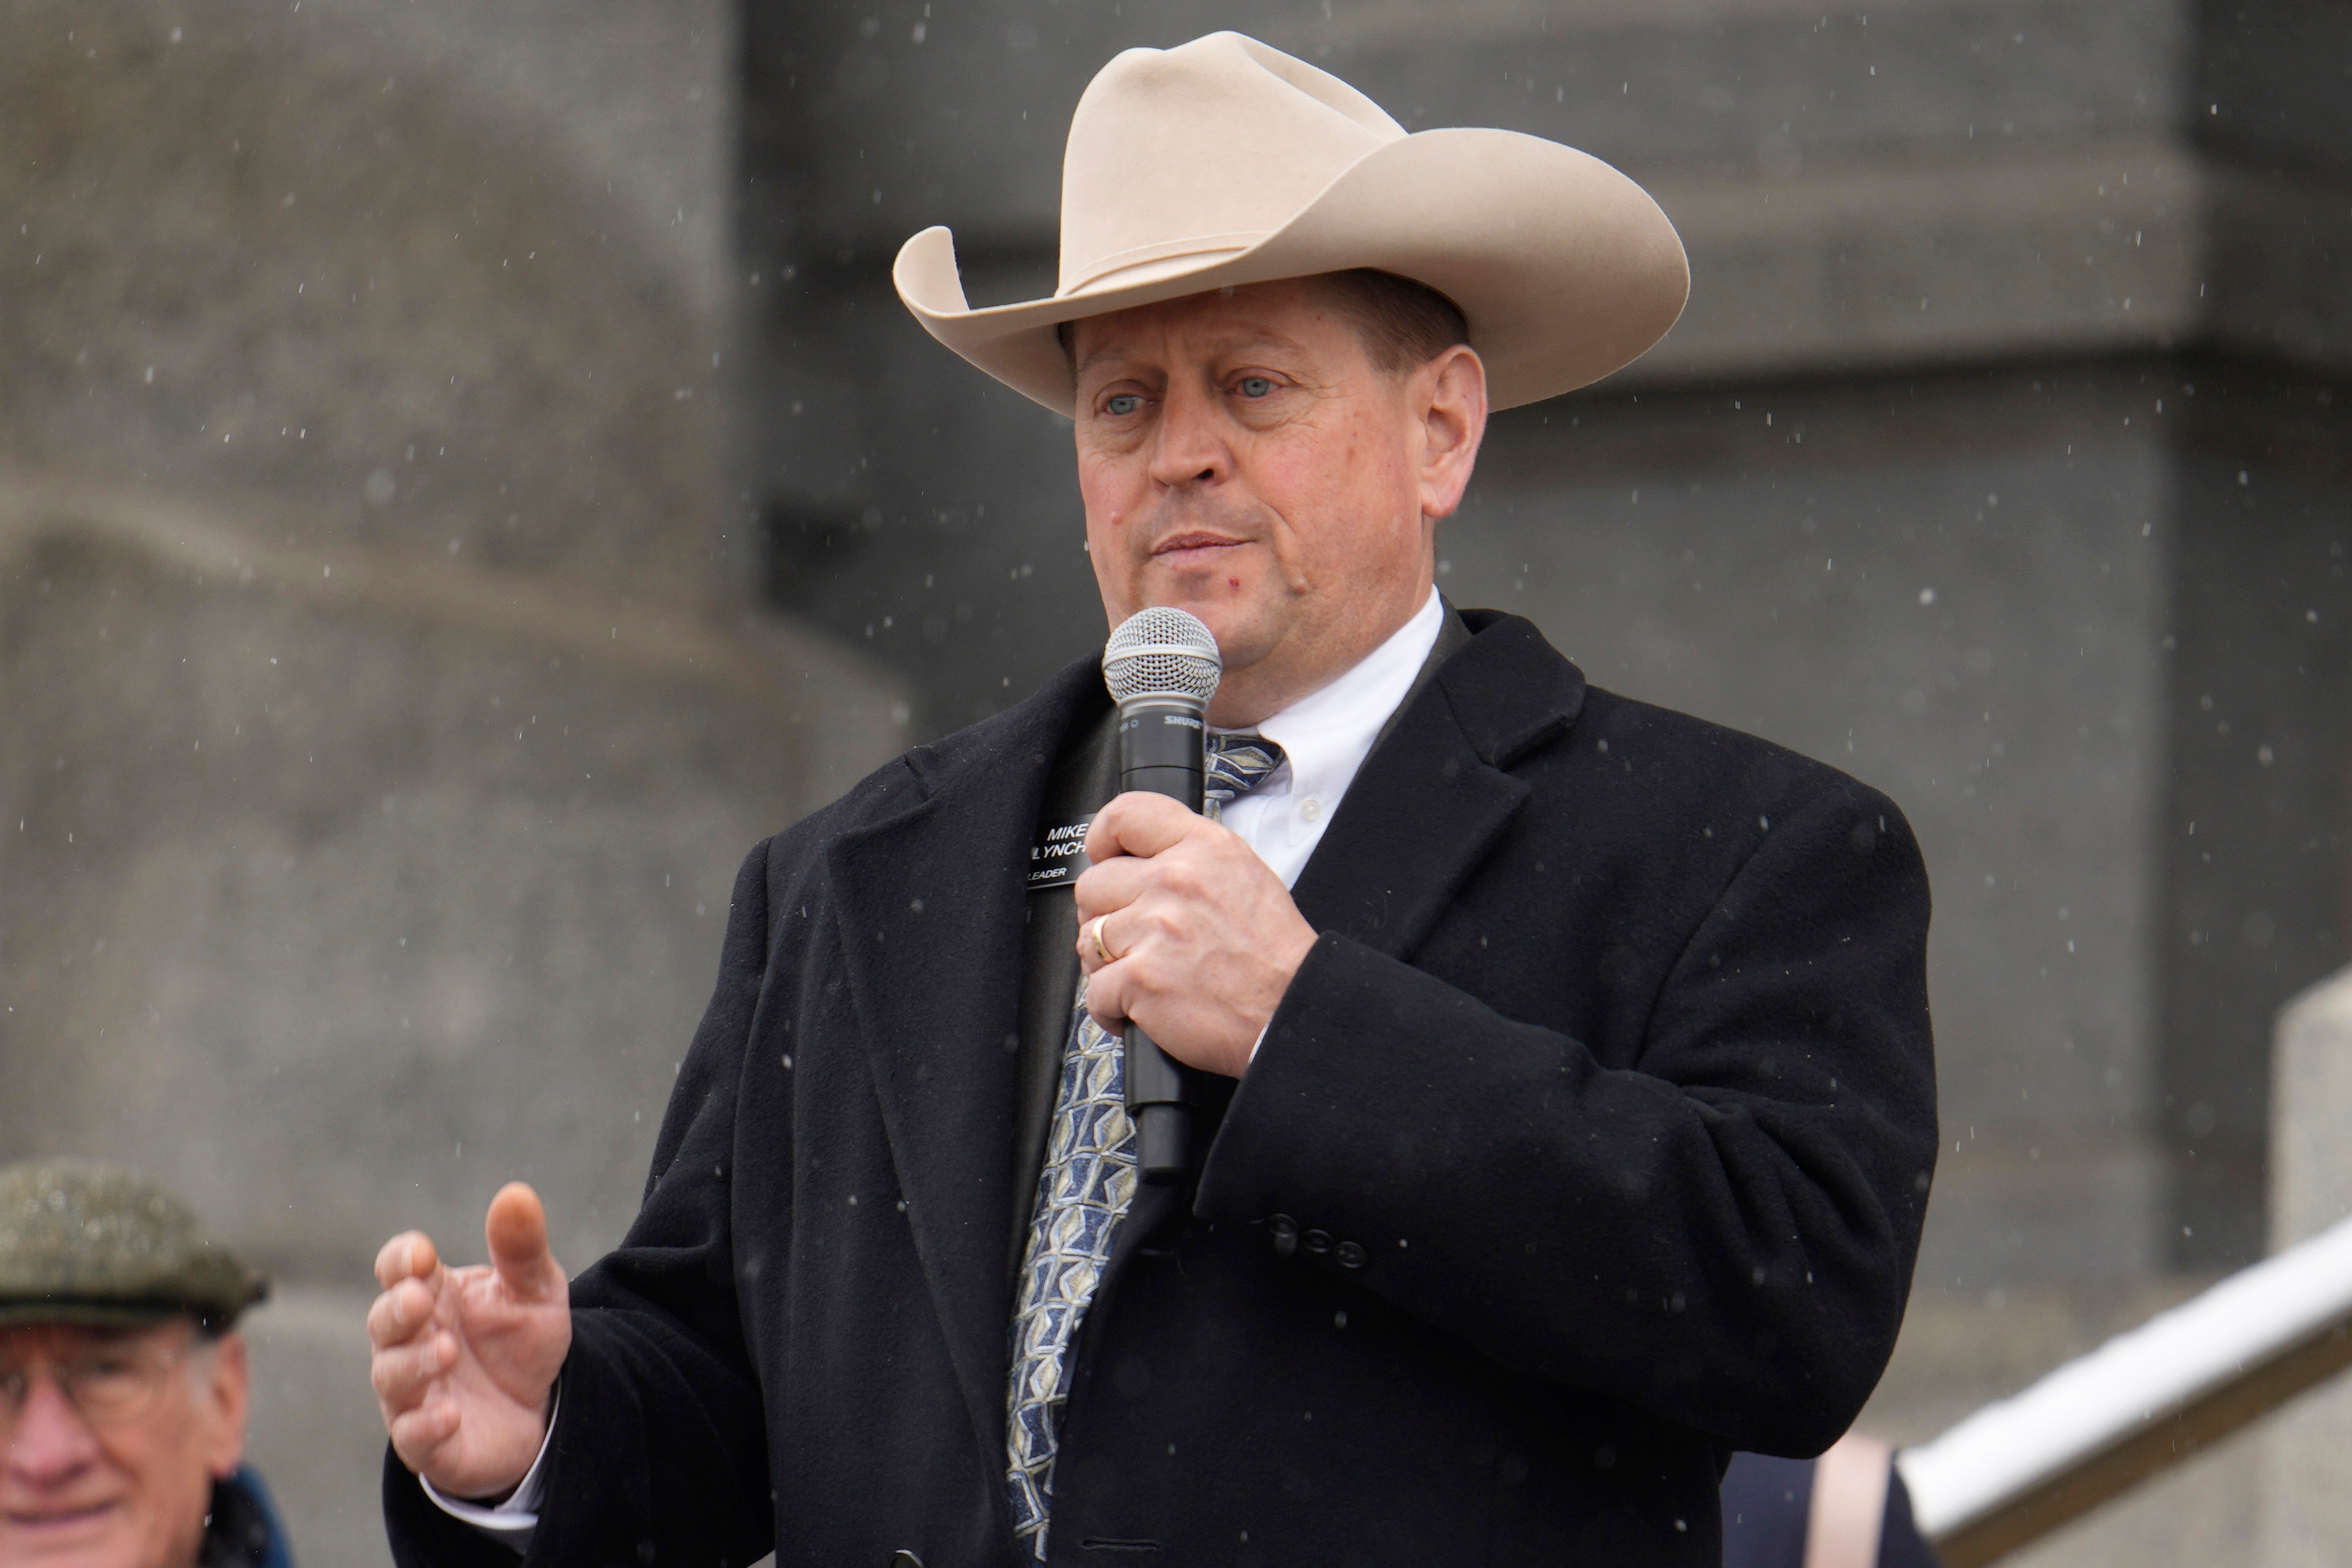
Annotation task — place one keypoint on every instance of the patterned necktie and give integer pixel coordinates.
(1237, 765)
(1082, 1195)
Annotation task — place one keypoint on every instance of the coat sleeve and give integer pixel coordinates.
(660, 1453)
(1721, 1233)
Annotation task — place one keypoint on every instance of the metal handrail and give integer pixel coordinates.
(2103, 1423)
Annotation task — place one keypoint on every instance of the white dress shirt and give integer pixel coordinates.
(515, 1521)
(1325, 737)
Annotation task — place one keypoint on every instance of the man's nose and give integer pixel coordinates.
(50, 1440)
(1189, 443)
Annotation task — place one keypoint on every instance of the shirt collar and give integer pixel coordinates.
(1326, 735)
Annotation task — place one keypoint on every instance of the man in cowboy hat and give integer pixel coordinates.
(1573, 1106)
(123, 1380)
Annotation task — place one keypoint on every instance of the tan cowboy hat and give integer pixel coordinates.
(1224, 162)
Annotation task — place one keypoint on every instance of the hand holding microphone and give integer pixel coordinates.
(1199, 938)
(1188, 938)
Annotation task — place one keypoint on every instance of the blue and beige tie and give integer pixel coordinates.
(1237, 765)
(1083, 1193)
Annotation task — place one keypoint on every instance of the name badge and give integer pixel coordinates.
(1056, 859)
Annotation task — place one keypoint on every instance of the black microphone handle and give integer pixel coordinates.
(1162, 750)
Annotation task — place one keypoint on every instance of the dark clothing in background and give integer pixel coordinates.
(1766, 1502)
(243, 1531)
(1589, 1142)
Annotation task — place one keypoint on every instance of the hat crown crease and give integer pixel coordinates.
(1201, 150)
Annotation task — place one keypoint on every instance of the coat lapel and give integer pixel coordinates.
(1435, 794)
(929, 903)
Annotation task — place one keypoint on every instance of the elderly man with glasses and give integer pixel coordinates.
(123, 1380)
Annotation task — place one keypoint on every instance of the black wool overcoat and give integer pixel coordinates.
(1590, 1142)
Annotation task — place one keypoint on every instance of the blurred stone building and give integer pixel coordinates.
(464, 477)
(382, 713)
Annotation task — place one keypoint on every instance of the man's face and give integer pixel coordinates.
(1243, 457)
(109, 1460)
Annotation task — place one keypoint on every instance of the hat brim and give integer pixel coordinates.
(96, 1314)
(1563, 267)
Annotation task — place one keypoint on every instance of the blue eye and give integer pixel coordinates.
(1256, 386)
(1120, 406)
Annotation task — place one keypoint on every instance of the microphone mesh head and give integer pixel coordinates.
(1162, 653)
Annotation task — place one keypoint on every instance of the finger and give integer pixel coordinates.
(418, 1435)
(1139, 824)
(411, 1254)
(404, 1375)
(1106, 998)
(1096, 950)
(517, 1232)
(401, 1313)
(1111, 885)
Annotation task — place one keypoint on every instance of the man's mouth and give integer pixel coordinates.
(57, 1520)
(1193, 545)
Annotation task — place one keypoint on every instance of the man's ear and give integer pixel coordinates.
(224, 1396)
(1449, 396)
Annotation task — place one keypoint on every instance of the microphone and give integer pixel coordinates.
(1162, 666)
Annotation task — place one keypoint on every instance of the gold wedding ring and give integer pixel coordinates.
(1102, 951)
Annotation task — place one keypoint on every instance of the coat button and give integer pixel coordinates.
(1351, 1256)
(904, 1559)
(1286, 1235)
(1319, 1242)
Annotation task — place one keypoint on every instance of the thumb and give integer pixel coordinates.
(517, 1232)
(1138, 822)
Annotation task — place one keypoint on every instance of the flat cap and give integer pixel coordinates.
(85, 1242)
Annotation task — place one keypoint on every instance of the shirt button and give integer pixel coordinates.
(1286, 1235)
(1319, 1242)
(1351, 1256)
(1309, 809)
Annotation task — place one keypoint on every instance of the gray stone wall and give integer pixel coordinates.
(338, 910)
(1963, 611)
(384, 706)
(258, 252)
(385, 716)
(2260, 781)
(2306, 1515)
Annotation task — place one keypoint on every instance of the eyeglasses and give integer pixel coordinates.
(108, 1385)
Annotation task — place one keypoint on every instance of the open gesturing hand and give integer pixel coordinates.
(465, 1359)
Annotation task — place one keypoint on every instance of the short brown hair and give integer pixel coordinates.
(1404, 324)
